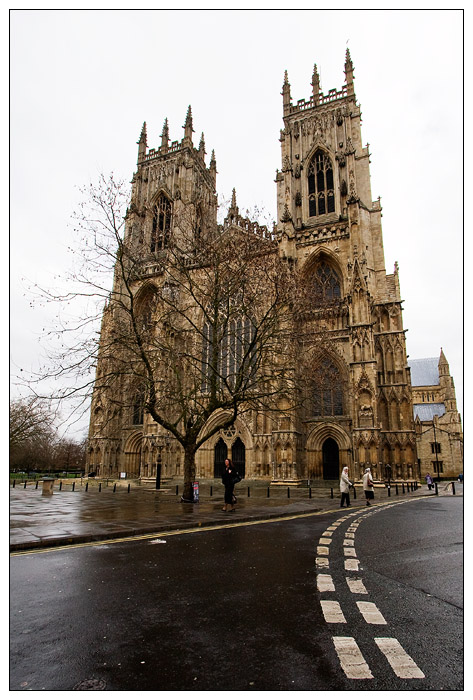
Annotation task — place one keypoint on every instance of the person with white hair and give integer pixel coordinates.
(345, 484)
(368, 486)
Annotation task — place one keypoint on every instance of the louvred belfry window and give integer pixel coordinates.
(320, 182)
(161, 224)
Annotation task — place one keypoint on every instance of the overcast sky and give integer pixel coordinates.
(83, 82)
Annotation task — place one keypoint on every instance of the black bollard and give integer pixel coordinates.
(100, 487)
(177, 490)
(14, 483)
(397, 491)
(60, 486)
(310, 492)
(288, 492)
(114, 488)
(36, 484)
(248, 491)
(24, 485)
(73, 485)
(453, 487)
(331, 492)
(129, 488)
(211, 489)
(268, 491)
(389, 491)
(436, 489)
(87, 487)
(354, 493)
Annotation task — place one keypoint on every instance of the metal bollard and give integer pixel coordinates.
(453, 488)
(403, 487)
(211, 489)
(436, 489)
(354, 493)
(331, 492)
(268, 491)
(408, 489)
(100, 487)
(310, 492)
(288, 492)
(60, 486)
(73, 485)
(14, 483)
(177, 490)
(87, 487)
(114, 488)
(129, 488)
(397, 491)
(248, 491)
(36, 484)
(389, 491)
(24, 485)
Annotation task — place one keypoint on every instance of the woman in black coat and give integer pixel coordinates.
(229, 479)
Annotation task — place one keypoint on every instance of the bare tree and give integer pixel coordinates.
(201, 325)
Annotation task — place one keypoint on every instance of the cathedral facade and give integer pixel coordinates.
(329, 228)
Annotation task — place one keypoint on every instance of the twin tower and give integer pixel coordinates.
(329, 226)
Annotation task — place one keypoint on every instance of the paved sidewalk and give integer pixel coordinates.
(70, 517)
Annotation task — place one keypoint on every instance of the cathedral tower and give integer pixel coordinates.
(329, 225)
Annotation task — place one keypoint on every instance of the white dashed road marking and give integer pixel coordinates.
(325, 583)
(321, 562)
(332, 611)
(400, 661)
(349, 552)
(371, 613)
(356, 585)
(351, 564)
(351, 658)
(322, 550)
(325, 540)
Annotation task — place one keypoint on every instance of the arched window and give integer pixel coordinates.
(161, 224)
(138, 406)
(233, 352)
(327, 282)
(327, 390)
(320, 182)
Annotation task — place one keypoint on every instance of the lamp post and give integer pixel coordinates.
(159, 441)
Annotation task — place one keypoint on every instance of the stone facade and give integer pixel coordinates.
(439, 434)
(329, 227)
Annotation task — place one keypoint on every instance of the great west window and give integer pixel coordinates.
(320, 182)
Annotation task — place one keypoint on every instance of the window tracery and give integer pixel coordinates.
(161, 227)
(320, 184)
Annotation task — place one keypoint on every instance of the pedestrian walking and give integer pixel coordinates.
(368, 486)
(229, 479)
(429, 480)
(345, 484)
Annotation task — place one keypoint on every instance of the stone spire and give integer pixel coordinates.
(233, 210)
(165, 136)
(188, 130)
(286, 94)
(349, 73)
(315, 85)
(202, 150)
(142, 143)
(213, 167)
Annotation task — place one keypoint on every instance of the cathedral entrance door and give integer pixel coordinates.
(238, 457)
(330, 459)
(220, 455)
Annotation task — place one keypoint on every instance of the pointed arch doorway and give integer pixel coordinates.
(330, 459)
(238, 457)
(220, 455)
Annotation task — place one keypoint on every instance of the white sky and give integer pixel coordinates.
(83, 82)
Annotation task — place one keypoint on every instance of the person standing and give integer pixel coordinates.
(345, 484)
(229, 479)
(368, 486)
(429, 480)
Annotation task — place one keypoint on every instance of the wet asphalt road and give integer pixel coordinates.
(238, 608)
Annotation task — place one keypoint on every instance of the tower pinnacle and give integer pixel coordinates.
(286, 94)
(349, 73)
(188, 125)
(142, 142)
(315, 84)
(165, 135)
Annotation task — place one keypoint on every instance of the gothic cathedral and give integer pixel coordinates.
(330, 229)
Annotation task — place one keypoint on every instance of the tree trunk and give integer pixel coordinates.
(189, 472)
